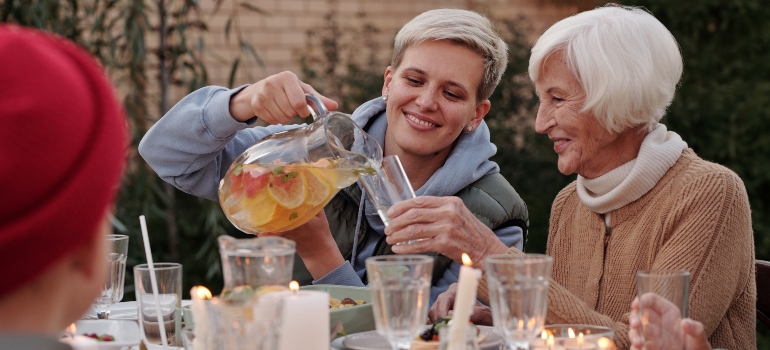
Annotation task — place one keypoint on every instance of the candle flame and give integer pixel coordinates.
(467, 260)
(294, 286)
(71, 330)
(203, 293)
(570, 332)
(550, 341)
(543, 335)
(604, 343)
(580, 339)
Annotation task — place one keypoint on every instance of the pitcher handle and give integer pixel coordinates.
(320, 110)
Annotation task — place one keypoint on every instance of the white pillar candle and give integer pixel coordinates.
(200, 296)
(305, 320)
(464, 302)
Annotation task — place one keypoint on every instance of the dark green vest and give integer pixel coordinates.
(491, 198)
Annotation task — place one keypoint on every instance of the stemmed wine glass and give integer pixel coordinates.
(518, 291)
(112, 291)
(400, 287)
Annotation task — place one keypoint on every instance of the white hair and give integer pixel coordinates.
(626, 61)
(461, 27)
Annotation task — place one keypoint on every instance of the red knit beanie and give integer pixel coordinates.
(62, 150)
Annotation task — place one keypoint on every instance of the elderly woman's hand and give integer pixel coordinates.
(443, 225)
(315, 245)
(275, 99)
(662, 332)
(482, 314)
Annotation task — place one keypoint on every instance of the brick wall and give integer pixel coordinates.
(279, 34)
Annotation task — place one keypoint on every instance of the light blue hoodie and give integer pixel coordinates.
(193, 145)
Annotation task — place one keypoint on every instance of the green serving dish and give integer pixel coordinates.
(354, 319)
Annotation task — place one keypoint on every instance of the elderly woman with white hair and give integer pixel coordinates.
(642, 199)
(435, 94)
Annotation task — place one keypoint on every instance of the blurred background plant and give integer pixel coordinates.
(148, 48)
(722, 108)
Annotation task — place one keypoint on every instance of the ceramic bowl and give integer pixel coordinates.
(354, 319)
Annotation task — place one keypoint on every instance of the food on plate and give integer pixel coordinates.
(429, 339)
(103, 337)
(335, 303)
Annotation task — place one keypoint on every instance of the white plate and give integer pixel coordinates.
(126, 310)
(126, 333)
(371, 340)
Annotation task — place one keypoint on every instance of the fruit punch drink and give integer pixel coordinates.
(261, 198)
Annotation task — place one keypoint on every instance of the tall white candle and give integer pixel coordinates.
(305, 320)
(464, 302)
(199, 296)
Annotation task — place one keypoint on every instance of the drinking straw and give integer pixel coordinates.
(153, 282)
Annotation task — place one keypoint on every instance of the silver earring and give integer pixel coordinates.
(385, 98)
(469, 128)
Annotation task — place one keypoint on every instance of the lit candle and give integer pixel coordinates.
(464, 302)
(305, 319)
(577, 342)
(79, 342)
(200, 296)
(605, 344)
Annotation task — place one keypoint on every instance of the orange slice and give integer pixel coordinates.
(318, 185)
(260, 208)
(289, 192)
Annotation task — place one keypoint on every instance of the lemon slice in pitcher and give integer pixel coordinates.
(318, 187)
(288, 189)
(260, 209)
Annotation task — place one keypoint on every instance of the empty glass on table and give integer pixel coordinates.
(518, 293)
(168, 277)
(112, 291)
(400, 287)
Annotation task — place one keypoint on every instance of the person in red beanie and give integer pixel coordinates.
(63, 144)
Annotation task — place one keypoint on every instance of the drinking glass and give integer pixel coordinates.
(112, 290)
(400, 287)
(518, 291)
(388, 186)
(168, 277)
(663, 301)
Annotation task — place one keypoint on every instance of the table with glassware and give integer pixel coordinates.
(260, 307)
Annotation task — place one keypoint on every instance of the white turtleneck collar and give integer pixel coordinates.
(630, 181)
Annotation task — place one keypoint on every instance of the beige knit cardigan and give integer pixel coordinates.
(697, 218)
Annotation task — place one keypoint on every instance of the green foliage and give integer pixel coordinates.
(116, 32)
(343, 62)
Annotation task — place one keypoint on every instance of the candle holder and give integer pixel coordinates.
(574, 337)
(227, 324)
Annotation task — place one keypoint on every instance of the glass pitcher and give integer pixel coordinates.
(251, 263)
(285, 179)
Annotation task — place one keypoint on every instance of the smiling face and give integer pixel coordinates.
(431, 99)
(583, 145)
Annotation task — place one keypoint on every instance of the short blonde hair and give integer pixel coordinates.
(626, 61)
(461, 27)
